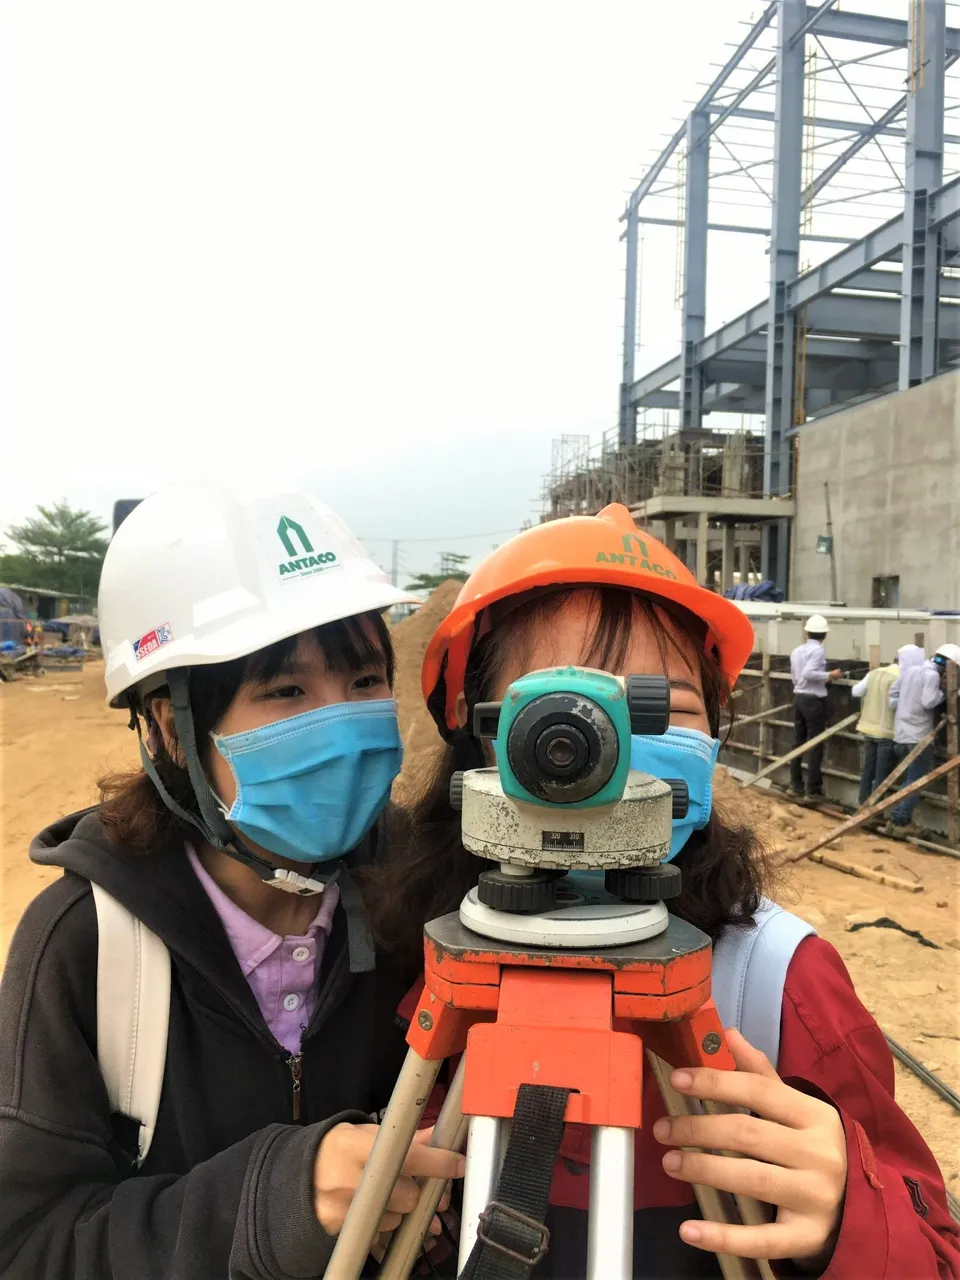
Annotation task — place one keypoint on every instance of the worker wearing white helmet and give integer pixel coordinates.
(808, 667)
(916, 698)
(243, 636)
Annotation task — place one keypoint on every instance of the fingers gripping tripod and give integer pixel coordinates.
(552, 995)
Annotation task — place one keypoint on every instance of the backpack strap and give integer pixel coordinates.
(750, 966)
(133, 1013)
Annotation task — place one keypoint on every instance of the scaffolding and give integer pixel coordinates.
(824, 133)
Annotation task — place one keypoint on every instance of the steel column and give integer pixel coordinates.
(694, 307)
(920, 299)
(628, 410)
(784, 262)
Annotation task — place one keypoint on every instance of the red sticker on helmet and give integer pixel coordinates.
(152, 641)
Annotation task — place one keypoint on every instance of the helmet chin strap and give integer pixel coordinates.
(212, 824)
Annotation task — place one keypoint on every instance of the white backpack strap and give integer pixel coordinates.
(133, 1012)
(749, 971)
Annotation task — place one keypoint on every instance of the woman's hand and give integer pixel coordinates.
(339, 1164)
(796, 1159)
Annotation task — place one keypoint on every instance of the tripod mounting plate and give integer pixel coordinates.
(634, 832)
(582, 924)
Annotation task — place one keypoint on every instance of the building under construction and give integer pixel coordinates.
(825, 130)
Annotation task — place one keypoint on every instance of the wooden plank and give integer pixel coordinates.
(864, 815)
(760, 715)
(953, 782)
(799, 751)
(901, 768)
(866, 873)
(766, 699)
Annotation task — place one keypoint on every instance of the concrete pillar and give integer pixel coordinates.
(727, 560)
(744, 563)
(702, 548)
(670, 534)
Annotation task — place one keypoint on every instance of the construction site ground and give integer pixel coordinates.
(57, 737)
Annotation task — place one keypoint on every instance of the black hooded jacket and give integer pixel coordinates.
(226, 1189)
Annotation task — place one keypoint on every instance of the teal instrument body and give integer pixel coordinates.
(592, 707)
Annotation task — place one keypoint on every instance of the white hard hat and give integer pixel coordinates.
(203, 572)
(950, 651)
(817, 624)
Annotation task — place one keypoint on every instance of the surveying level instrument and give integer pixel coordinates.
(561, 968)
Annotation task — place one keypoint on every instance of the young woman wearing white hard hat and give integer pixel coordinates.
(244, 636)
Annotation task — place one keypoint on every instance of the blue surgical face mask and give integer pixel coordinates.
(680, 753)
(311, 787)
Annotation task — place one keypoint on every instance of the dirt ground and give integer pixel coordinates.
(57, 737)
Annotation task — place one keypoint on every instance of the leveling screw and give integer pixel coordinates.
(425, 1021)
(711, 1042)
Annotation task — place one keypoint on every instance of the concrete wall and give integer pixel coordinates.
(893, 466)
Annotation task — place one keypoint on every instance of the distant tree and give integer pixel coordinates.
(451, 566)
(60, 548)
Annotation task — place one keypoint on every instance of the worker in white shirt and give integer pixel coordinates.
(916, 697)
(808, 666)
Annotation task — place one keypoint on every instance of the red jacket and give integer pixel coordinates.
(896, 1224)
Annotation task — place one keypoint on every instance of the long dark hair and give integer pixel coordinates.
(131, 808)
(724, 866)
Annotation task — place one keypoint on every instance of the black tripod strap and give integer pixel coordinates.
(512, 1237)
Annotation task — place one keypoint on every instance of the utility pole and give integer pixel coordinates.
(395, 561)
(834, 589)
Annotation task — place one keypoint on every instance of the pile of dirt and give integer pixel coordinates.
(410, 638)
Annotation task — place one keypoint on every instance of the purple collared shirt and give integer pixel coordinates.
(282, 972)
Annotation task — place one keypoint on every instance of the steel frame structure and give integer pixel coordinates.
(854, 325)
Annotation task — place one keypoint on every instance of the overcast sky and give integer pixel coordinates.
(370, 246)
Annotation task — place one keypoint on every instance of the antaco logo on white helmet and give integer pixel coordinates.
(204, 572)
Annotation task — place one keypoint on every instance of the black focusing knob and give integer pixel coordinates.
(645, 884)
(456, 791)
(648, 698)
(681, 796)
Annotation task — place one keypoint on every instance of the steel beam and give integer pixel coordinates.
(627, 429)
(869, 29)
(920, 307)
(694, 304)
(881, 243)
(784, 257)
(945, 204)
(841, 126)
(733, 332)
(871, 318)
(746, 44)
(656, 380)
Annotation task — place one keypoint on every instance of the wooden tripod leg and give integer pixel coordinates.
(716, 1206)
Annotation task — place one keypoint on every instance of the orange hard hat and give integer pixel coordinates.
(602, 550)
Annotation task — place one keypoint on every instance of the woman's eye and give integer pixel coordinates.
(369, 681)
(285, 691)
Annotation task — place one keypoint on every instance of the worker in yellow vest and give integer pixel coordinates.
(875, 725)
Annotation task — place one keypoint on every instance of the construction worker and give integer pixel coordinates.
(808, 666)
(831, 1149)
(243, 637)
(875, 725)
(914, 697)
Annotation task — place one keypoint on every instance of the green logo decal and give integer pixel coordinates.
(284, 529)
(303, 565)
(636, 554)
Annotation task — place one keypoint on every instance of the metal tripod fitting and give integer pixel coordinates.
(397, 1129)
(450, 1133)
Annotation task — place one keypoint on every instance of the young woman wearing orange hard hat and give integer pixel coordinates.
(855, 1189)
